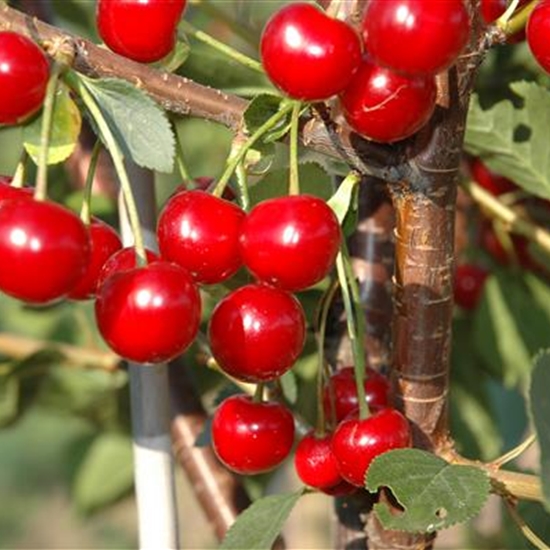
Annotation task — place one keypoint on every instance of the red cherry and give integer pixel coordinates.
(356, 443)
(24, 73)
(342, 389)
(492, 182)
(104, 243)
(307, 54)
(469, 283)
(537, 30)
(315, 464)
(142, 30)
(493, 245)
(123, 260)
(257, 332)
(44, 248)
(149, 314)
(416, 36)
(251, 438)
(8, 191)
(204, 183)
(200, 232)
(290, 242)
(385, 106)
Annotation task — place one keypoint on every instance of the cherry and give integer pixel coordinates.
(104, 243)
(200, 232)
(537, 29)
(356, 443)
(8, 191)
(44, 247)
(315, 463)
(123, 260)
(342, 389)
(307, 54)
(416, 36)
(385, 106)
(493, 245)
(204, 183)
(257, 332)
(494, 183)
(24, 73)
(290, 242)
(250, 437)
(468, 286)
(142, 30)
(148, 314)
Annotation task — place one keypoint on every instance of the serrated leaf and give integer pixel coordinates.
(262, 108)
(513, 141)
(539, 400)
(9, 399)
(106, 473)
(510, 324)
(66, 124)
(139, 125)
(434, 494)
(259, 525)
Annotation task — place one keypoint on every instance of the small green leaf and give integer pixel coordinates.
(106, 473)
(289, 386)
(259, 525)
(539, 399)
(9, 399)
(176, 58)
(66, 125)
(434, 494)
(344, 198)
(262, 108)
(139, 125)
(513, 141)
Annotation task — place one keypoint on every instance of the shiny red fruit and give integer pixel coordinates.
(24, 73)
(356, 443)
(142, 30)
(149, 314)
(251, 438)
(468, 285)
(492, 182)
(538, 30)
(8, 191)
(315, 463)
(200, 232)
(104, 243)
(307, 54)
(44, 247)
(416, 36)
(123, 260)
(341, 388)
(290, 242)
(257, 332)
(384, 106)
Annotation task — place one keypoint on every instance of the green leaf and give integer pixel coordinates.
(139, 125)
(511, 324)
(344, 198)
(513, 141)
(258, 526)
(176, 58)
(539, 400)
(434, 494)
(9, 399)
(262, 108)
(106, 473)
(289, 386)
(66, 125)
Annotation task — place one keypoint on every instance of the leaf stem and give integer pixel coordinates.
(258, 396)
(234, 159)
(242, 186)
(112, 146)
(180, 159)
(525, 529)
(221, 47)
(294, 183)
(41, 189)
(515, 452)
(86, 210)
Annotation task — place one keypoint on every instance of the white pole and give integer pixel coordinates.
(150, 404)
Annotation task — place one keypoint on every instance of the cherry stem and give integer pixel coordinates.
(236, 157)
(110, 142)
(228, 51)
(41, 190)
(180, 159)
(324, 308)
(354, 325)
(524, 528)
(86, 210)
(511, 25)
(492, 206)
(18, 179)
(242, 186)
(294, 180)
(258, 396)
